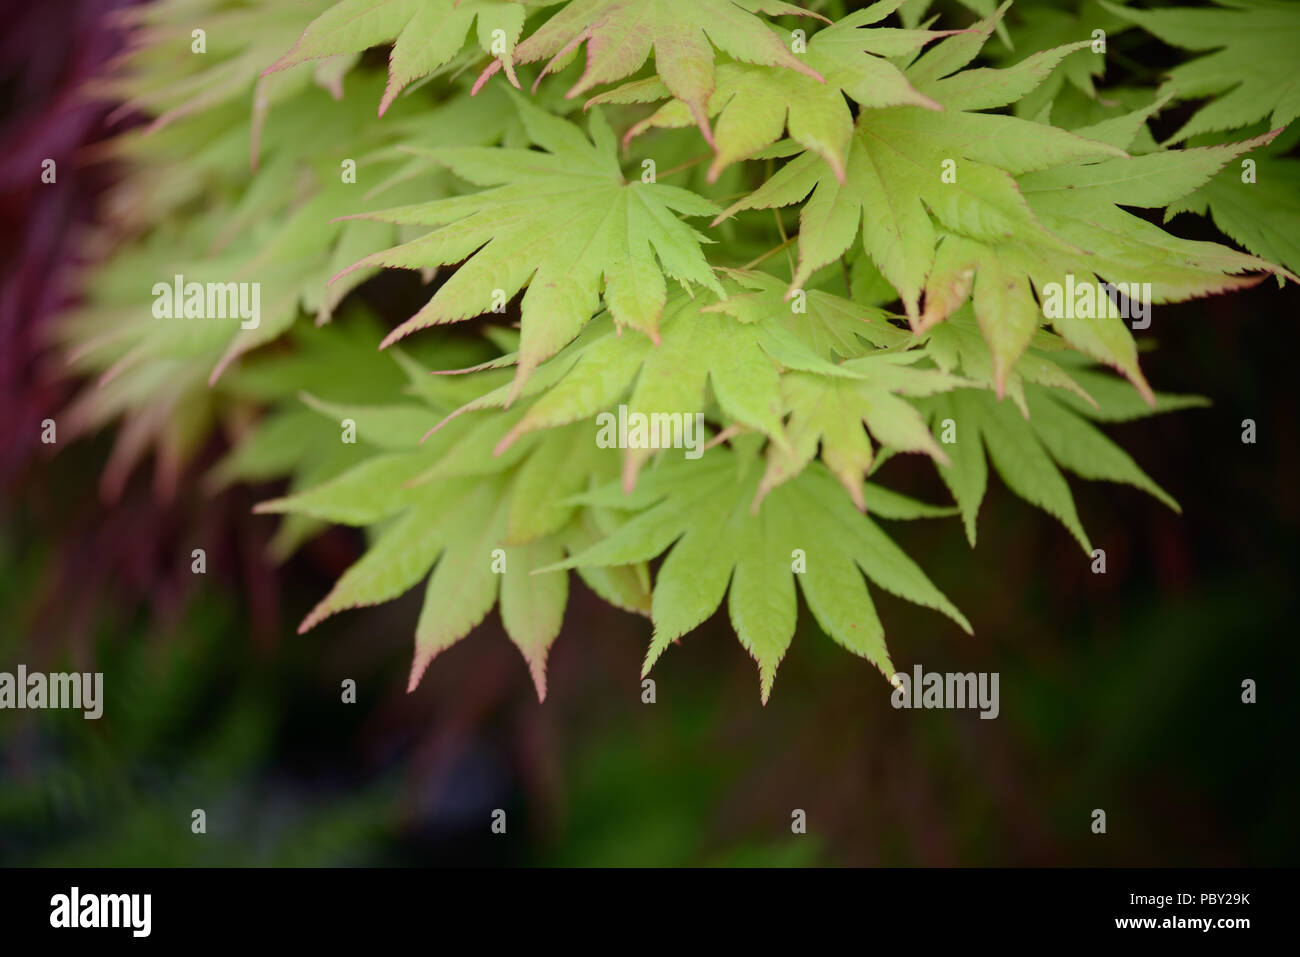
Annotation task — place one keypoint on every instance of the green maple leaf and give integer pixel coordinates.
(193, 204)
(564, 223)
(1251, 74)
(1027, 205)
(479, 527)
(1029, 451)
(1041, 26)
(298, 438)
(913, 11)
(1083, 207)
(426, 35)
(830, 412)
(897, 195)
(1260, 212)
(756, 103)
(698, 513)
(620, 35)
(893, 186)
(239, 41)
(958, 344)
(734, 349)
(785, 375)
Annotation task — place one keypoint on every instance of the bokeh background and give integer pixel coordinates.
(1119, 691)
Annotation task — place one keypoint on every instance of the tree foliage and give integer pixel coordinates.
(829, 232)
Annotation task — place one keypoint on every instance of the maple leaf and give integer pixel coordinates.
(1251, 73)
(1040, 27)
(467, 520)
(151, 79)
(620, 35)
(298, 438)
(426, 35)
(193, 204)
(1026, 205)
(1083, 207)
(564, 223)
(1029, 451)
(299, 245)
(762, 362)
(697, 512)
(1260, 212)
(754, 101)
(738, 348)
(958, 344)
(830, 412)
(895, 189)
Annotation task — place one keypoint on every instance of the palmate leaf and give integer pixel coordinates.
(1083, 207)
(564, 223)
(698, 513)
(298, 437)
(123, 335)
(1261, 213)
(761, 362)
(1251, 72)
(1042, 26)
(894, 173)
(1030, 205)
(239, 41)
(426, 34)
(1029, 452)
(957, 343)
(831, 412)
(192, 204)
(620, 35)
(754, 101)
(484, 525)
(734, 350)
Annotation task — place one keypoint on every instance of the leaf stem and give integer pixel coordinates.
(785, 241)
(687, 165)
(770, 253)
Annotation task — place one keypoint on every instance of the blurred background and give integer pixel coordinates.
(1119, 691)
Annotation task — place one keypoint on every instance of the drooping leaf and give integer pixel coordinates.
(457, 523)
(1028, 452)
(699, 511)
(1258, 206)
